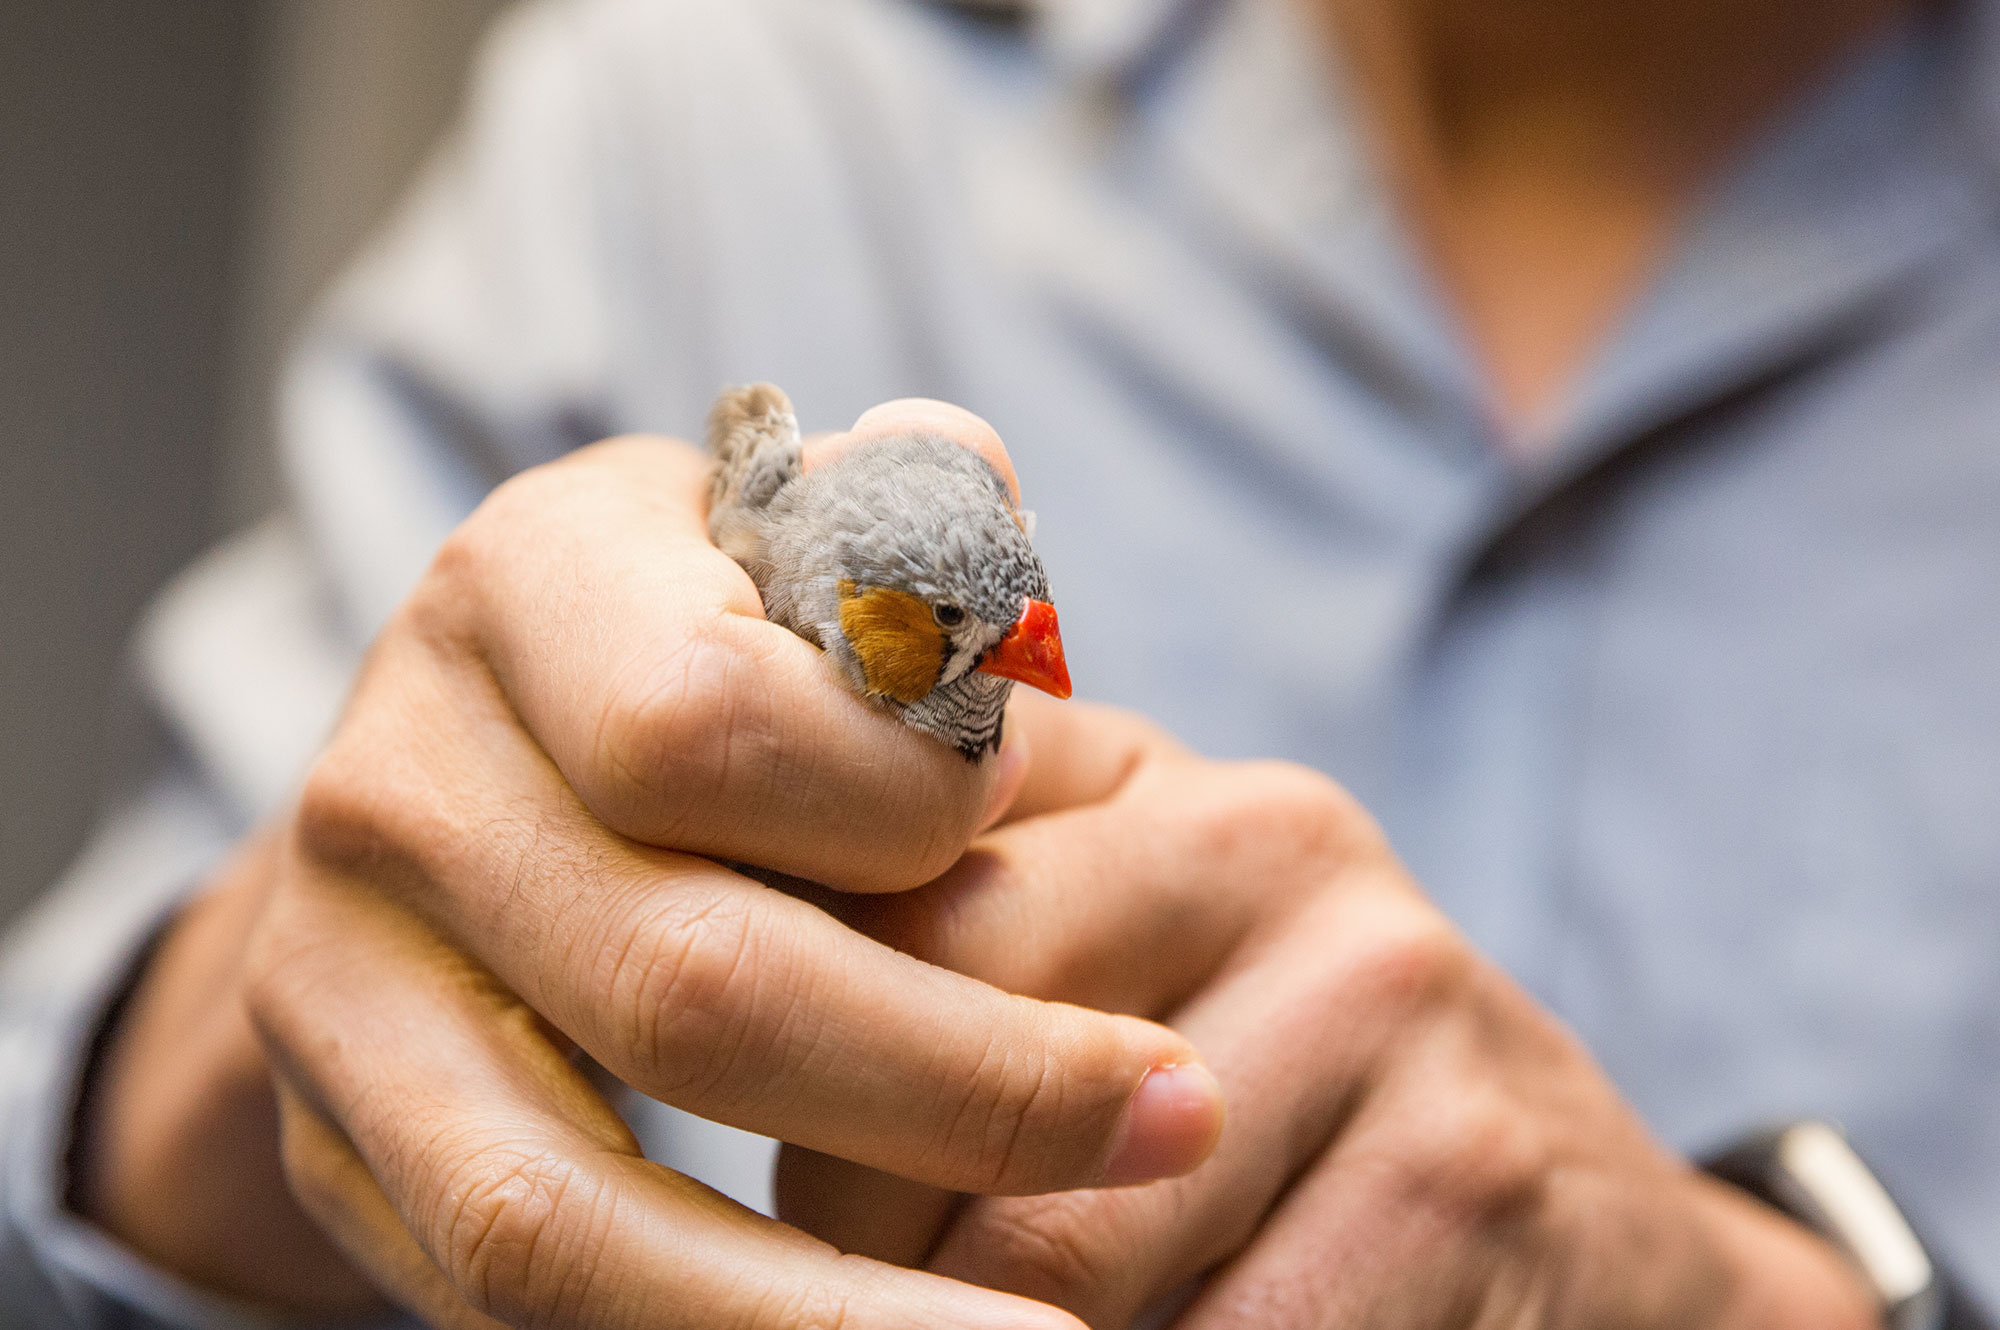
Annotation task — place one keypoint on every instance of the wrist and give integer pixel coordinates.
(176, 1150)
(1781, 1275)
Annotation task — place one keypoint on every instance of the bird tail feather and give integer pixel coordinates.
(753, 435)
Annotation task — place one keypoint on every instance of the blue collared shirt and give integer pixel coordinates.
(1685, 702)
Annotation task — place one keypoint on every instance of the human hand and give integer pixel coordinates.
(511, 846)
(1411, 1141)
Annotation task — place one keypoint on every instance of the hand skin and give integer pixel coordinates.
(511, 850)
(1411, 1142)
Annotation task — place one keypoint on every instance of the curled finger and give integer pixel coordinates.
(334, 1186)
(513, 1178)
(638, 656)
(729, 999)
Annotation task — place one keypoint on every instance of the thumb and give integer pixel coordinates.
(916, 415)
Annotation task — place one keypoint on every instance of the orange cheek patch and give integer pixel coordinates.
(896, 638)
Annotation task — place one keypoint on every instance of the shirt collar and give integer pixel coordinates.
(1094, 38)
(1837, 204)
(1880, 168)
(1841, 205)
(1109, 38)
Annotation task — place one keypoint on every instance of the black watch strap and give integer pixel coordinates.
(1809, 1171)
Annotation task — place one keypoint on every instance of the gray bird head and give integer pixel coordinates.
(935, 573)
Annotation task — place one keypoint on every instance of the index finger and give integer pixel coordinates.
(474, 1172)
(731, 1000)
(638, 657)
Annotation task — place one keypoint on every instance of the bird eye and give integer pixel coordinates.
(948, 615)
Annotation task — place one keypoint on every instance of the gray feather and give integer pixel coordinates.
(753, 434)
(917, 514)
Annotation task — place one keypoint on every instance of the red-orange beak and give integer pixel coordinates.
(1032, 653)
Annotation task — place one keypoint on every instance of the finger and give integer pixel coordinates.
(1131, 903)
(861, 1210)
(917, 415)
(1295, 1028)
(1489, 1149)
(334, 1186)
(740, 1003)
(1169, 884)
(514, 1179)
(1338, 1250)
(1079, 753)
(637, 655)
(1389, 1225)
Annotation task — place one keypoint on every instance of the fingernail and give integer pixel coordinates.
(1171, 1123)
(1010, 769)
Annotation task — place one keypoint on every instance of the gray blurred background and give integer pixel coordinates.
(176, 182)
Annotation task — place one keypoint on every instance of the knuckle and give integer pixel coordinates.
(514, 1233)
(1475, 1154)
(807, 1305)
(1010, 1113)
(281, 970)
(526, 497)
(266, 985)
(473, 558)
(1283, 826)
(479, 558)
(1145, 738)
(1319, 811)
(364, 805)
(1066, 1249)
(668, 733)
(1301, 811)
(695, 979)
(335, 818)
(462, 568)
(1408, 963)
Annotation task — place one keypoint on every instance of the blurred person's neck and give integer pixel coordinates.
(1545, 150)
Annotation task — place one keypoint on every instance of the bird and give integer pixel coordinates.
(905, 558)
